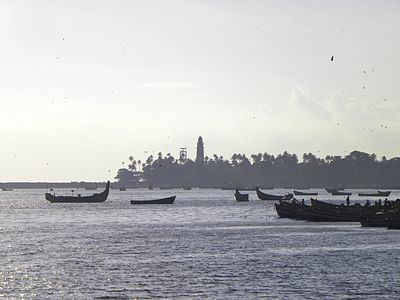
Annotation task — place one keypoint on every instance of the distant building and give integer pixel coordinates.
(183, 155)
(200, 151)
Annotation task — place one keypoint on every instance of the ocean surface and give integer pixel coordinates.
(205, 245)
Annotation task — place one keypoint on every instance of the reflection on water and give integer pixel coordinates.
(205, 245)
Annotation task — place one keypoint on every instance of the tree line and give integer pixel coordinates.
(356, 170)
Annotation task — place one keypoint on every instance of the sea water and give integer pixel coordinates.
(205, 245)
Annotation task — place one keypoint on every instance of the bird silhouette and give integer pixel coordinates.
(332, 58)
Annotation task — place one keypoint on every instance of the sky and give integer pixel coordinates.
(86, 84)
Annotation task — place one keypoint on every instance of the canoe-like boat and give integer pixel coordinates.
(100, 197)
(330, 190)
(354, 207)
(377, 194)
(339, 193)
(264, 196)
(7, 189)
(286, 209)
(393, 221)
(122, 188)
(311, 213)
(300, 193)
(380, 219)
(241, 197)
(331, 212)
(168, 200)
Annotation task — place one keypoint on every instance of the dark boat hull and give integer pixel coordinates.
(264, 196)
(286, 210)
(168, 200)
(375, 220)
(341, 213)
(324, 215)
(330, 190)
(377, 194)
(298, 193)
(101, 197)
(338, 193)
(241, 197)
(393, 221)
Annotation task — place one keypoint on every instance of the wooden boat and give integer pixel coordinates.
(186, 188)
(357, 206)
(264, 196)
(380, 219)
(330, 190)
(339, 193)
(241, 197)
(393, 221)
(168, 200)
(325, 211)
(314, 214)
(299, 193)
(286, 209)
(122, 188)
(150, 187)
(100, 197)
(377, 194)
(7, 189)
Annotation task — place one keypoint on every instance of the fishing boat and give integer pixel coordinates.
(100, 197)
(377, 194)
(314, 214)
(241, 197)
(186, 187)
(286, 209)
(324, 211)
(330, 190)
(7, 189)
(299, 193)
(264, 196)
(122, 188)
(168, 200)
(379, 219)
(339, 193)
(356, 206)
(393, 221)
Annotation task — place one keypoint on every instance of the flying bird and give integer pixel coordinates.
(332, 58)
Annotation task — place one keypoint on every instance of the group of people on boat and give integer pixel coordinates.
(387, 204)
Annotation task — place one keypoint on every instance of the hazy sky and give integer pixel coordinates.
(85, 84)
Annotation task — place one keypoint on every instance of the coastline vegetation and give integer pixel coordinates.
(356, 170)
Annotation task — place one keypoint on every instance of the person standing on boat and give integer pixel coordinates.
(348, 200)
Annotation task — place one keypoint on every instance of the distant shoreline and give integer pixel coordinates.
(57, 185)
(90, 185)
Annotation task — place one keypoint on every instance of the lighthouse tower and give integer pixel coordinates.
(200, 151)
